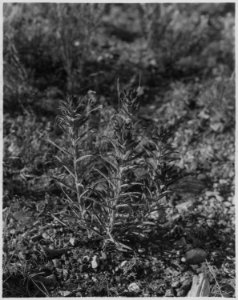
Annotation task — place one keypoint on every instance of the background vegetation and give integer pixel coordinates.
(156, 120)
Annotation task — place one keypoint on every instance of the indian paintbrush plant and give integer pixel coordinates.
(113, 171)
(76, 158)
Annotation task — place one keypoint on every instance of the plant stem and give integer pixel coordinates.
(75, 151)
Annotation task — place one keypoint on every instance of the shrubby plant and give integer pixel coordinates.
(113, 175)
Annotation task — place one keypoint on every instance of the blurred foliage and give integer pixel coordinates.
(188, 39)
(74, 48)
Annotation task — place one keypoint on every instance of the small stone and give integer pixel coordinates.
(227, 204)
(133, 287)
(222, 223)
(94, 262)
(184, 206)
(210, 194)
(64, 293)
(72, 241)
(219, 198)
(222, 181)
(195, 256)
(225, 210)
(169, 293)
(45, 236)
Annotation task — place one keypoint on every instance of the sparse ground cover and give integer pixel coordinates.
(166, 166)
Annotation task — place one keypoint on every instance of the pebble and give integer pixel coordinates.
(225, 210)
(133, 287)
(209, 194)
(169, 293)
(195, 256)
(64, 293)
(219, 198)
(94, 262)
(222, 181)
(46, 236)
(227, 204)
(222, 222)
(72, 241)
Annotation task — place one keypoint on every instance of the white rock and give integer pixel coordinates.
(64, 293)
(227, 204)
(210, 194)
(72, 241)
(133, 287)
(184, 206)
(94, 262)
(219, 198)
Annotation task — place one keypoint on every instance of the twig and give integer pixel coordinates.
(57, 219)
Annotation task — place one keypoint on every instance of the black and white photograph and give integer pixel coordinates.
(118, 163)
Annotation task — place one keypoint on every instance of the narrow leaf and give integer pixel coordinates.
(99, 203)
(83, 157)
(66, 167)
(59, 148)
(104, 176)
(67, 195)
(65, 185)
(110, 162)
